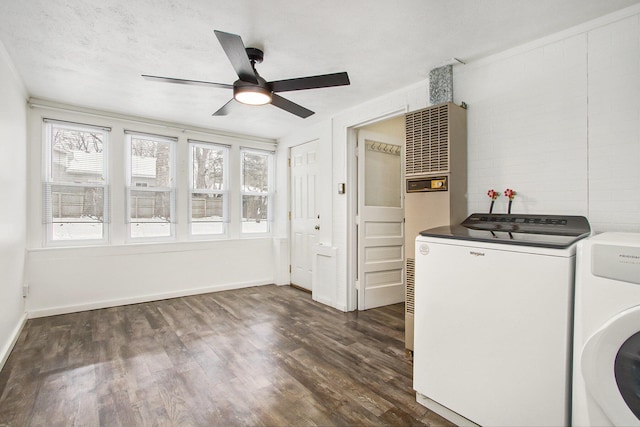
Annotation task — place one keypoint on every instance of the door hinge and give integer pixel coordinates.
(289, 215)
(289, 161)
(357, 285)
(289, 268)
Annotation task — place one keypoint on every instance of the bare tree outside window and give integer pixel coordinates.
(255, 173)
(208, 196)
(208, 168)
(77, 140)
(256, 191)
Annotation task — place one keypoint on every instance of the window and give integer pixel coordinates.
(76, 185)
(256, 190)
(217, 191)
(150, 186)
(209, 188)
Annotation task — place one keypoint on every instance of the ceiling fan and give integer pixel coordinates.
(251, 88)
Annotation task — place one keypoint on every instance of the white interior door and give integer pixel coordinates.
(305, 220)
(380, 220)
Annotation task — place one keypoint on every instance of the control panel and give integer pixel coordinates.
(524, 223)
(418, 185)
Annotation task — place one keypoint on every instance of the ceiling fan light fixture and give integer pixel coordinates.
(252, 95)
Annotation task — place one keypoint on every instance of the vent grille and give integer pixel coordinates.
(427, 141)
(409, 300)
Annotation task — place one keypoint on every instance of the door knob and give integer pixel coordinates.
(317, 227)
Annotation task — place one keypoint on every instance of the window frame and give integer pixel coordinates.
(130, 186)
(192, 144)
(269, 193)
(48, 182)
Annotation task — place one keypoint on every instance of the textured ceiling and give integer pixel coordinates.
(91, 53)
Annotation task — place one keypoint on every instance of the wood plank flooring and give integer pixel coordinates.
(263, 356)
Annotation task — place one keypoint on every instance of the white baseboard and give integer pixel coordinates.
(321, 300)
(328, 302)
(53, 311)
(6, 350)
(444, 412)
(340, 307)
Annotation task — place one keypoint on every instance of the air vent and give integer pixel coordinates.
(409, 304)
(427, 141)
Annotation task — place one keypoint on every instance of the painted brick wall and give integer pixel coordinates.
(527, 129)
(614, 126)
(559, 121)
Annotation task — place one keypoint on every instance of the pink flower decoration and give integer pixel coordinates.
(510, 193)
(493, 194)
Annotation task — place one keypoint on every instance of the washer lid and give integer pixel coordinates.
(546, 231)
(610, 365)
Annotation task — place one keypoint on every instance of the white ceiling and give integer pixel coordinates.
(91, 53)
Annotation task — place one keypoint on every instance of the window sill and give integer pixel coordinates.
(149, 247)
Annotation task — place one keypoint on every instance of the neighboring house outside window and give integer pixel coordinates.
(209, 189)
(76, 184)
(256, 190)
(150, 186)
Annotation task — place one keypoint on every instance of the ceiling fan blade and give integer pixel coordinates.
(237, 54)
(187, 82)
(290, 106)
(225, 109)
(313, 82)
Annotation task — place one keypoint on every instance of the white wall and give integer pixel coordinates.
(527, 128)
(614, 125)
(67, 279)
(13, 193)
(558, 120)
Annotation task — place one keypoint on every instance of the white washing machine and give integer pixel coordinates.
(606, 365)
(493, 319)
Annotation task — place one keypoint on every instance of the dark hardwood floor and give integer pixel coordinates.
(258, 356)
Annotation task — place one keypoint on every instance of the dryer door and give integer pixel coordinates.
(611, 367)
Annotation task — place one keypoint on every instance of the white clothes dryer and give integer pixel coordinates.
(606, 363)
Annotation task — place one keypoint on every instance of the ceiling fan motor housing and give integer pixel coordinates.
(255, 55)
